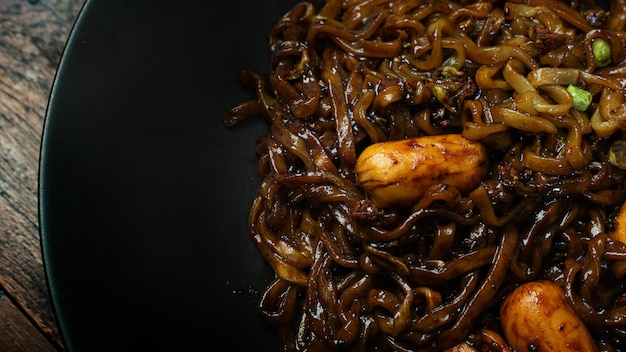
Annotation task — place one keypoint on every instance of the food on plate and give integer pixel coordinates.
(426, 162)
(397, 173)
(537, 317)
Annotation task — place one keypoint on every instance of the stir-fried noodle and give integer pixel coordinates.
(541, 84)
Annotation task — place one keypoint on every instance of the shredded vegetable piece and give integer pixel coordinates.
(601, 52)
(581, 97)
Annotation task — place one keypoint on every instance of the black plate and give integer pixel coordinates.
(144, 194)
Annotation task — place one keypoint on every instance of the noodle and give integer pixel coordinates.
(354, 276)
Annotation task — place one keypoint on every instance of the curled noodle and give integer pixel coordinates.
(349, 73)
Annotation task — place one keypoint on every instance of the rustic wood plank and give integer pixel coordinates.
(32, 38)
(17, 334)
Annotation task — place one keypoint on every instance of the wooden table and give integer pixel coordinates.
(32, 37)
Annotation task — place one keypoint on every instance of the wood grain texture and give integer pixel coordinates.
(17, 333)
(32, 37)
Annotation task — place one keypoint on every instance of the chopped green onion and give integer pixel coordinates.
(601, 52)
(581, 97)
